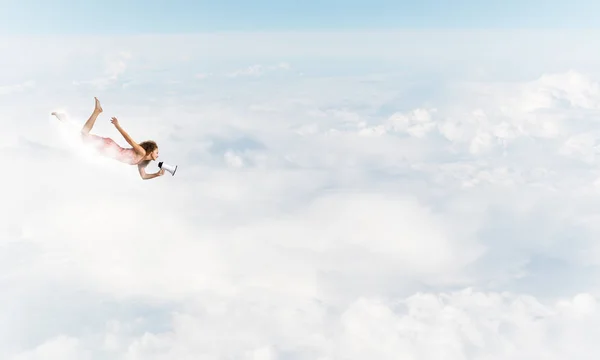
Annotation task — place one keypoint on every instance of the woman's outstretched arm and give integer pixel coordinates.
(146, 176)
(136, 147)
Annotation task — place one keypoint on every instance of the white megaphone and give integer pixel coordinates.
(169, 168)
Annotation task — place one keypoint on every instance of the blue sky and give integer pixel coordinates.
(135, 16)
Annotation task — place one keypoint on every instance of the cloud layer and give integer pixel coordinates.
(321, 210)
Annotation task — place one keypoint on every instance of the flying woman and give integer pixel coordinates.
(139, 154)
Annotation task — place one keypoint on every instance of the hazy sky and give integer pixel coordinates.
(384, 194)
(182, 16)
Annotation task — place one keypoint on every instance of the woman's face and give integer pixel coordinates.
(154, 154)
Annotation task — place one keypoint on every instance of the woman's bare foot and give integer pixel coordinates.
(59, 116)
(97, 108)
(89, 124)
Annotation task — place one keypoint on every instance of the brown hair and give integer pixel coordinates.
(149, 146)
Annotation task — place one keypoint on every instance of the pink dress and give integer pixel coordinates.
(108, 147)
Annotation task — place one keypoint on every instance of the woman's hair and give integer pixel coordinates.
(149, 146)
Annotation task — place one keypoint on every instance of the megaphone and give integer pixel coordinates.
(169, 168)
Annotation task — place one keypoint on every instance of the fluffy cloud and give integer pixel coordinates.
(540, 109)
(115, 66)
(460, 325)
(324, 216)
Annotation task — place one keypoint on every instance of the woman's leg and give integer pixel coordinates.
(89, 124)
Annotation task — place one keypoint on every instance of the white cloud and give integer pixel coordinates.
(10, 89)
(233, 160)
(459, 325)
(115, 66)
(572, 87)
(418, 123)
(61, 347)
(341, 214)
(258, 70)
(202, 76)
